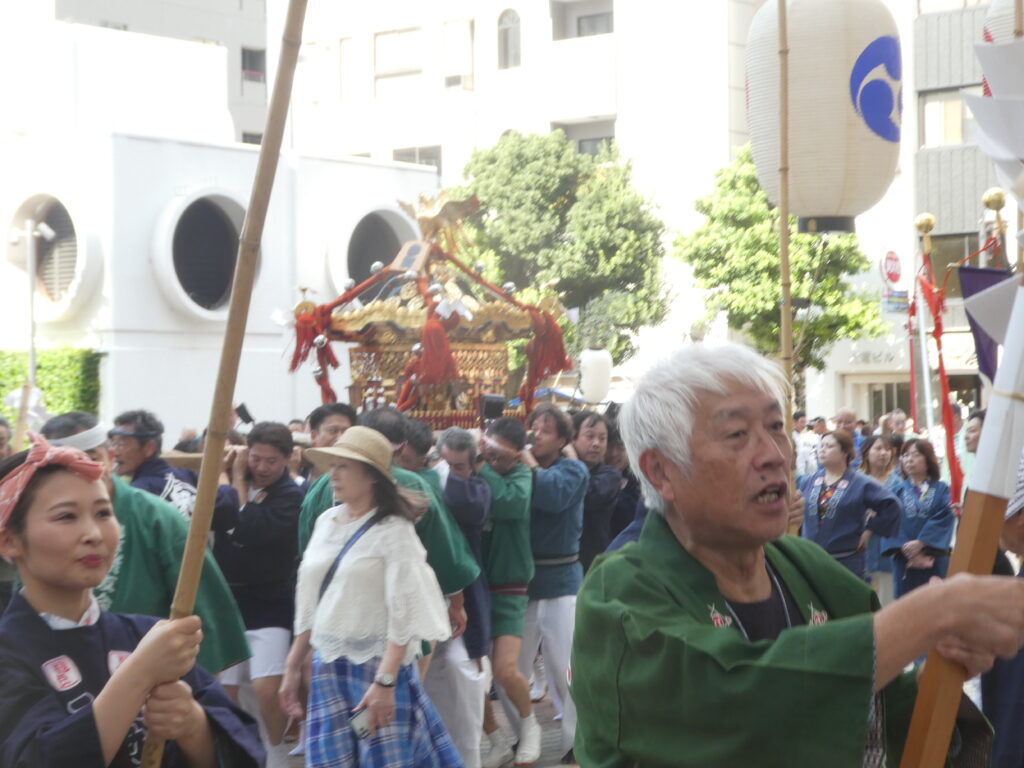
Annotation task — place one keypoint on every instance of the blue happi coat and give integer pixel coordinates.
(838, 532)
(50, 678)
(927, 517)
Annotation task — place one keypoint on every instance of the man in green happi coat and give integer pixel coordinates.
(717, 641)
(145, 571)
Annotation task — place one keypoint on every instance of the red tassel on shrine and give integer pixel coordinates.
(305, 332)
(545, 355)
(437, 364)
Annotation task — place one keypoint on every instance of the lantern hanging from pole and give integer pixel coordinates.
(595, 374)
(845, 105)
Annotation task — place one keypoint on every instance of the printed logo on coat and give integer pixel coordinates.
(819, 480)
(817, 617)
(62, 673)
(115, 659)
(843, 484)
(259, 498)
(717, 618)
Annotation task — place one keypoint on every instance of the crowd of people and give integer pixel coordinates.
(373, 589)
(461, 555)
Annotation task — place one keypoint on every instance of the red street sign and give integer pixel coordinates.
(891, 268)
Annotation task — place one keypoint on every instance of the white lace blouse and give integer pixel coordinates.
(382, 591)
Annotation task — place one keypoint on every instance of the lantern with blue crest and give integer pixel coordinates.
(845, 103)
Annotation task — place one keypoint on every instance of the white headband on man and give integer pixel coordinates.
(84, 441)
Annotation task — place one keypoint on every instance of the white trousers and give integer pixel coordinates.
(457, 686)
(550, 622)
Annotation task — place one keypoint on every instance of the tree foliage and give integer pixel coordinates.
(735, 256)
(68, 378)
(550, 215)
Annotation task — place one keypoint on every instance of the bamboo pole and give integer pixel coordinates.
(241, 294)
(786, 320)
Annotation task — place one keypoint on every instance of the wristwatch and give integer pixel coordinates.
(384, 680)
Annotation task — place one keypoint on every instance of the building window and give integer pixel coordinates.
(594, 24)
(254, 65)
(252, 138)
(887, 397)
(938, 6)
(508, 40)
(57, 256)
(945, 119)
(398, 63)
(458, 54)
(419, 155)
(947, 252)
(205, 246)
(592, 146)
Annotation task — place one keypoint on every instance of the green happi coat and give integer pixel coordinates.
(447, 551)
(508, 558)
(144, 574)
(660, 675)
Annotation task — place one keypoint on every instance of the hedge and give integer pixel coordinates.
(69, 379)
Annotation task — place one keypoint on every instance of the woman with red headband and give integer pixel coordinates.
(78, 686)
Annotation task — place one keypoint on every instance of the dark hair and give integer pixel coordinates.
(583, 419)
(978, 414)
(67, 424)
(419, 435)
(300, 422)
(393, 499)
(797, 415)
(893, 442)
(274, 434)
(509, 429)
(458, 439)
(925, 449)
(563, 425)
(614, 435)
(317, 415)
(143, 421)
(845, 442)
(388, 421)
(16, 522)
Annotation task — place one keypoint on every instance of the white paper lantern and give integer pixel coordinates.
(1001, 73)
(845, 105)
(595, 374)
(999, 21)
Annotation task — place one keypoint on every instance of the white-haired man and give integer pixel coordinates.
(715, 640)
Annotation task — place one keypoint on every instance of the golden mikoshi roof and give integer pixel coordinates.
(394, 309)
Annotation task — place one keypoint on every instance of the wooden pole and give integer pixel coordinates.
(1018, 32)
(941, 684)
(241, 293)
(786, 320)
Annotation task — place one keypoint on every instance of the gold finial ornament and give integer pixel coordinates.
(925, 223)
(994, 199)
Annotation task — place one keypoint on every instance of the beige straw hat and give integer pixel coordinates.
(358, 443)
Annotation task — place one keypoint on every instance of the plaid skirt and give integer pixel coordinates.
(415, 738)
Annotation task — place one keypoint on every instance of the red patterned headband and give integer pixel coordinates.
(42, 454)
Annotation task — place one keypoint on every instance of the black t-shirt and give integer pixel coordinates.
(765, 619)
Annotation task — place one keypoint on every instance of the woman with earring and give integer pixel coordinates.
(80, 687)
(365, 601)
(839, 502)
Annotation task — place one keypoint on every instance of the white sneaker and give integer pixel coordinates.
(529, 741)
(500, 753)
(538, 681)
(277, 755)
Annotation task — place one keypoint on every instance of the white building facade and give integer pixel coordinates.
(145, 191)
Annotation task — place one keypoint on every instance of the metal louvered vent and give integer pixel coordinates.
(57, 257)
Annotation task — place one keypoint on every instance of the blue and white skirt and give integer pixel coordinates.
(415, 738)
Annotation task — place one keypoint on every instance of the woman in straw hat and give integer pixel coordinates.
(365, 599)
(79, 686)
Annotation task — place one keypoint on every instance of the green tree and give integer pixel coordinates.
(735, 256)
(552, 216)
